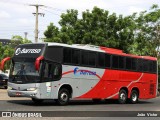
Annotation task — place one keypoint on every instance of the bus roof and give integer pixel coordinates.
(98, 49)
(101, 49)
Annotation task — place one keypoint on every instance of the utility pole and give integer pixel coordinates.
(25, 35)
(36, 23)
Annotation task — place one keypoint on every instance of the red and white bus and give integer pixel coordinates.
(60, 72)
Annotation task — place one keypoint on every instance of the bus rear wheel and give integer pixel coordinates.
(134, 97)
(63, 97)
(122, 96)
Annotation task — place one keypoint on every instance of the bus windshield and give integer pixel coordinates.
(24, 68)
(23, 72)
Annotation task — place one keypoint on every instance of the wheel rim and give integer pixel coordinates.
(134, 97)
(64, 97)
(123, 96)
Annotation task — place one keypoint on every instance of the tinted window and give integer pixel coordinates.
(115, 61)
(128, 63)
(154, 66)
(75, 56)
(101, 59)
(107, 60)
(52, 71)
(84, 57)
(54, 53)
(121, 62)
(140, 65)
(67, 52)
(92, 58)
(150, 66)
(1, 78)
(134, 64)
(145, 65)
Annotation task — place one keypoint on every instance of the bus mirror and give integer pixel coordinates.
(37, 62)
(3, 62)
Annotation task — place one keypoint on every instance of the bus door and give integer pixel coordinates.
(50, 72)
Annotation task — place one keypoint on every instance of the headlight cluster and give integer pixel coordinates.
(31, 89)
(9, 88)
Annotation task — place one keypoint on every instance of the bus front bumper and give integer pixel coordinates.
(15, 93)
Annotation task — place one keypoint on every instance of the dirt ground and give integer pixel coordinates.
(4, 96)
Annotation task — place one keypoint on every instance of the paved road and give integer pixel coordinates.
(79, 105)
(25, 104)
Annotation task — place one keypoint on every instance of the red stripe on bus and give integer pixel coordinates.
(80, 70)
(67, 72)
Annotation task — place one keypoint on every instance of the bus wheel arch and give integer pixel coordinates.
(123, 95)
(64, 94)
(68, 87)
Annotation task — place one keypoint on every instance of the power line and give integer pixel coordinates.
(50, 12)
(56, 9)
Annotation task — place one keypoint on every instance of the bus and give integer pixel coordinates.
(62, 72)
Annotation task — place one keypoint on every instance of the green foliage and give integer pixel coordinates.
(137, 33)
(17, 40)
(8, 50)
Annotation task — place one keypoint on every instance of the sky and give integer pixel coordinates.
(16, 16)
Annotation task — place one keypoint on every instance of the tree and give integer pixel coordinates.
(147, 33)
(16, 40)
(96, 27)
(137, 33)
(52, 34)
(6, 51)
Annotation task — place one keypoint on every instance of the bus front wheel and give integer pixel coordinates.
(63, 97)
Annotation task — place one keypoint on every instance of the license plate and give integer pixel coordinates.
(18, 94)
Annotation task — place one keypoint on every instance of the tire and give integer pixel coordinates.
(96, 100)
(63, 97)
(122, 96)
(134, 97)
(37, 101)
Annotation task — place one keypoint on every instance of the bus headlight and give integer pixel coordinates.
(31, 89)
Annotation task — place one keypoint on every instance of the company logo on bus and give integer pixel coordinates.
(78, 71)
(24, 51)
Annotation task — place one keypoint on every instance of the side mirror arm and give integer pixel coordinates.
(3, 62)
(37, 62)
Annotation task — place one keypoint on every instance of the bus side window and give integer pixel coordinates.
(46, 70)
(101, 60)
(52, 71)
(57, 71)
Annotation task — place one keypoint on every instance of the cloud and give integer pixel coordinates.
(25, 21)
(134, 9)
(17, 14)
(4, 15)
